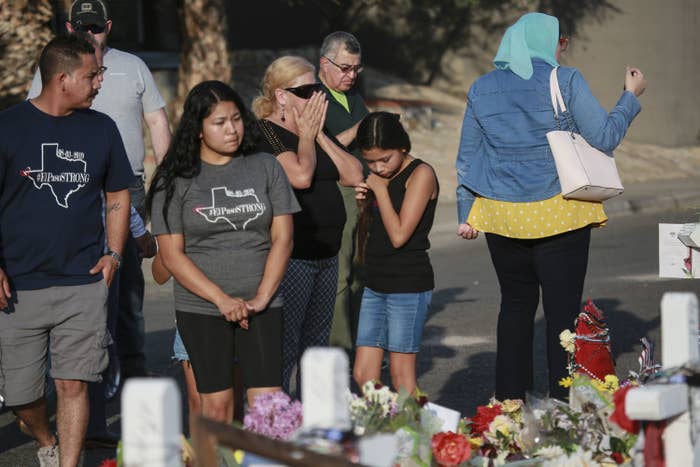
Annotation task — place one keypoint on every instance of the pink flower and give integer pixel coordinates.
(274, 415)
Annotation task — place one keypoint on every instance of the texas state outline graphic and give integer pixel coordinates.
(57, 162)
(228, 205)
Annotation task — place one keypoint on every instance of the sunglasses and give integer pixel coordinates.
(93, 28)
(305, 91)
(345, 69)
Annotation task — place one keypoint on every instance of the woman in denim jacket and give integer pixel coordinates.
(509, 189)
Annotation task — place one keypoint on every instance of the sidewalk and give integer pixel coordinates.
(639, 197)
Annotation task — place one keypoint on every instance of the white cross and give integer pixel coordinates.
(674, 402)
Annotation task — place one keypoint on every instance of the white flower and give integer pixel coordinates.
(549, 452)
(567, 340)
(580, 458)
(503, 424)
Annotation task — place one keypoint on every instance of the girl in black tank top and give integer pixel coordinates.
(398, 206)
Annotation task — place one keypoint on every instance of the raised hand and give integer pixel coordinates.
(634, 81)
(375, 182)
(309, 122)
(361, 191)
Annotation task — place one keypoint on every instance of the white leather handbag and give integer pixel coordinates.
(585, 173)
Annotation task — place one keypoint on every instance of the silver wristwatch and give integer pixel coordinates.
(117, 257)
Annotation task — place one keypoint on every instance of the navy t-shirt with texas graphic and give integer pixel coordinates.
(53, 171)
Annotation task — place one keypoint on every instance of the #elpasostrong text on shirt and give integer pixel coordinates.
(53, 171)
(225, 214)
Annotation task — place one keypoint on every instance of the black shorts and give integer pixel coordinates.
(213, 345)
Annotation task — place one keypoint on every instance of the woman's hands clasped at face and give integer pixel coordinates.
(635, 81)
(467, 232)
(313, 117)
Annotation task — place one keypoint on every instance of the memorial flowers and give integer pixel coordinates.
(274, 415)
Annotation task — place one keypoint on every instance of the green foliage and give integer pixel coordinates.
(410, 38)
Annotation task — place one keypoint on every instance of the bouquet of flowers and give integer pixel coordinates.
(564, 431)
(497, 432)
(274, 415)
(372, 411)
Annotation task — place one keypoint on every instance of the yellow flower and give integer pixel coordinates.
(477, 442)
(511, 405)
(567, 339)
(598, 385)
(502, 424)
(612, 383)
(566, 382)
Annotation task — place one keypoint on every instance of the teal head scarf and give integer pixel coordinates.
(534, 35)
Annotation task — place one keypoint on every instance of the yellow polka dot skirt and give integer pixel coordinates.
(536, 219)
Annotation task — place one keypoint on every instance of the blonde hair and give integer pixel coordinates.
(280, 74)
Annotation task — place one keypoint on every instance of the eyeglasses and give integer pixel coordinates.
(93, 28)
(345, 69)
(305, 91)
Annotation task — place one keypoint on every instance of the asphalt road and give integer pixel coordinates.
(456, 362)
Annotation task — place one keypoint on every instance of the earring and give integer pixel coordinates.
(282, 118)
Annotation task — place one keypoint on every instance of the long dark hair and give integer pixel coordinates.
(381, 130)
(183, 157)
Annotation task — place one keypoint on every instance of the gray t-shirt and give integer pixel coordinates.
(225, 214)
(128, 91)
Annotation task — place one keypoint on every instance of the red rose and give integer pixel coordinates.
(483, 418)
(450, 449)
(619, 416)
(617, 457)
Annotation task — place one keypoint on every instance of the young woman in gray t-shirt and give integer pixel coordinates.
(223, 218)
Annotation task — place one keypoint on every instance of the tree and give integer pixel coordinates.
(25, 28)
(204, 53)
(414, 38)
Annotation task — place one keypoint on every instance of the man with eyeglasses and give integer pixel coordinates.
(58, 160)
(129, 96)
(339, 67)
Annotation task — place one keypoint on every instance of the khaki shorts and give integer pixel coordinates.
(69, 321)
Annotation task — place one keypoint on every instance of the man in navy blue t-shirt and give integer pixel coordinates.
(57, 161)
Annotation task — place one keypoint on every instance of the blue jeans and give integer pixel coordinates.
(179, 350)
(393, 321)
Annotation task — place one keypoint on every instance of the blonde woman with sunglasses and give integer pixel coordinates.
(292, 109)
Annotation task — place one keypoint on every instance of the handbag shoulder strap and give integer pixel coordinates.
(269, 133)
(555, 92)
(558, 102)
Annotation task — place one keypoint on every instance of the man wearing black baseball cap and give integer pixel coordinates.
(86, 13)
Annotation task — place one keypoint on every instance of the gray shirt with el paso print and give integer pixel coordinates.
(225, 214)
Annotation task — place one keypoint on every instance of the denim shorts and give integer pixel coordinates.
(179, 351)
(393, 321)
